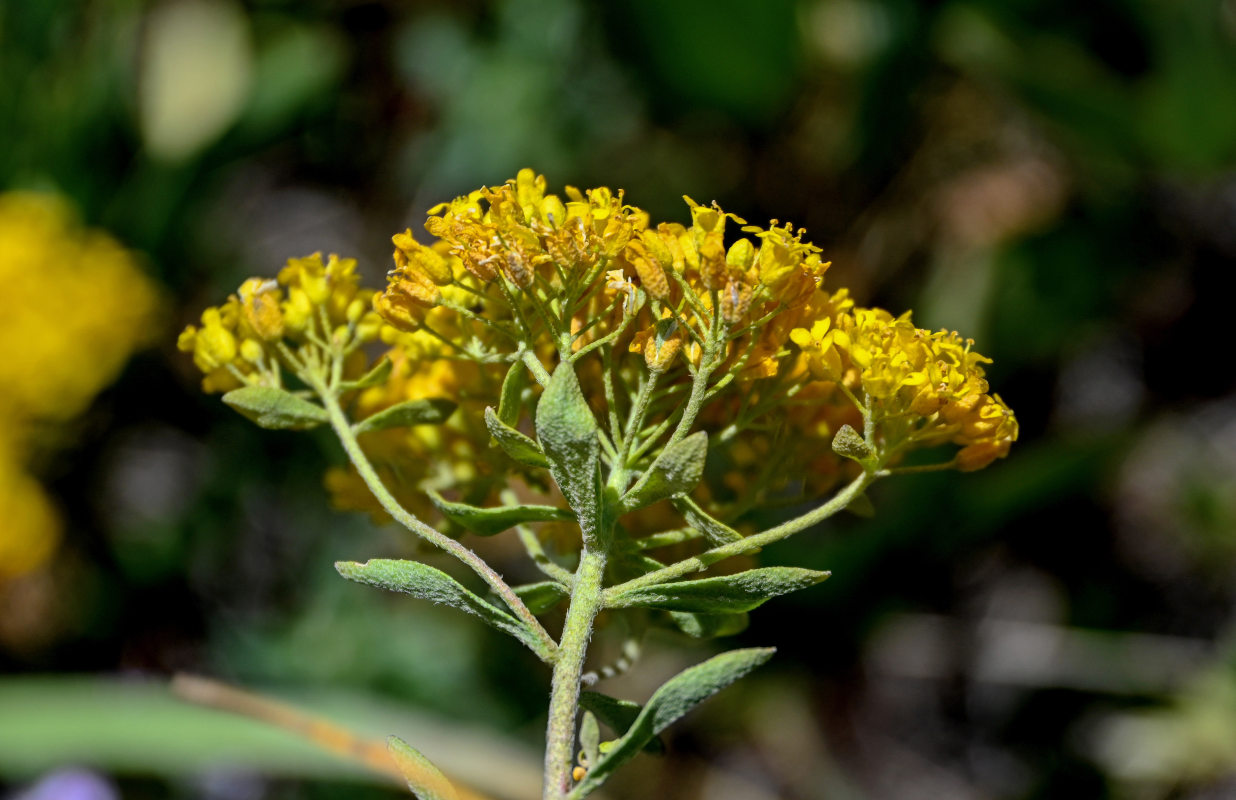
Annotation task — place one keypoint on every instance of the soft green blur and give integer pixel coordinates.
(1056, 180)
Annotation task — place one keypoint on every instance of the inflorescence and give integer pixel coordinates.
(517, 274)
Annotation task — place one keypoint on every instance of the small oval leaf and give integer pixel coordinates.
(568, 435)
(849, 444)
(716, 532)
(425, 411)
(511, 399)
(515, 444)
(676, 472)
(861, 506)
(275, 408)
(590, 738)
(543, 596)
(617, 715)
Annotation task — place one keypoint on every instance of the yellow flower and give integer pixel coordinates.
(31, 526)
(239, 341)
(74, 306)
(922, 388)
(515, 270)
(55, 362)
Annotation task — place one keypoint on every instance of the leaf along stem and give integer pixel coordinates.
(751, 543)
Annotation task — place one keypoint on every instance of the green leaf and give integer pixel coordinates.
(426, 583)
(590, 738)
(861, 506)
(710, 626)
(275, 408)
(716, 532)
(515, 444)
(675, 698)
(374, 377)
(568, 435)
(511, 399)
(618, 715)
(676, 472)
(424, 779)
(541, 597)
(724, 594)
(425, 411)
(848, 444)
(489, 521)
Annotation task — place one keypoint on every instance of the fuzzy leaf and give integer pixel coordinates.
(590, 738)
(425, 411)
(276, 409)
(489, 521)
(374, 377)
(861, 506)
(511, 398)
(424, 779)
(617, 716)
(541, 597)
(710, 626)
(568, 435)
(849, 444)
(675, 698)
(515, 444)
(676, 472)
(724, 594)
(424, 582)
(716, 532)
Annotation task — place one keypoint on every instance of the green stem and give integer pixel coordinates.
(689, 413)
(635, 421)
(751, 543)
(536, 551)
(568, 670)
(535, 366)
(547, 650)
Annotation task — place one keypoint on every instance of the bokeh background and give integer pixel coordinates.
(1055, 179)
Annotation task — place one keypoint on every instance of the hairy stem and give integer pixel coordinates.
(568, 671)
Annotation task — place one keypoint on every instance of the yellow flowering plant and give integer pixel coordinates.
(623, 398)
(54, 362)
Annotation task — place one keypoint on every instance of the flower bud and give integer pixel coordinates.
(663, 346)
(251, 350)
(741, 255)
(735, 301)
(649, 268)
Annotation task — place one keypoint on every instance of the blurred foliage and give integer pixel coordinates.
(1056, 180)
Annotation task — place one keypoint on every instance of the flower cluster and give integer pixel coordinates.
(55, 362)
(775, 364)
(921, 388)
(311, 304)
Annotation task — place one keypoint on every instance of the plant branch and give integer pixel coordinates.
(751, 543)
(343, 429)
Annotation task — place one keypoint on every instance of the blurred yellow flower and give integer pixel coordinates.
(74, 306)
